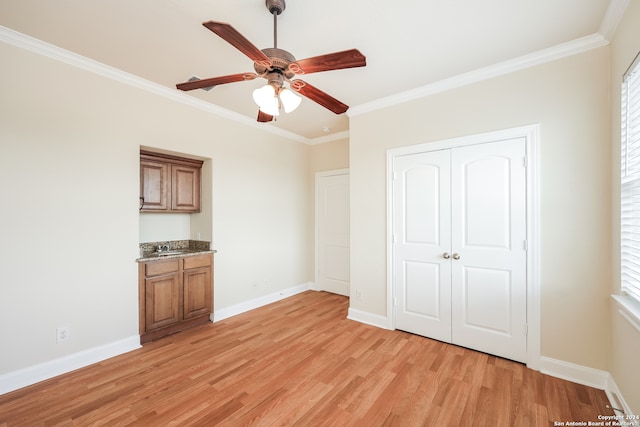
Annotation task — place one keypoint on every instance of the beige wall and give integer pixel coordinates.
(330, 155)
(325, 157)
(69, 143)
(569, 98)
(625, 346)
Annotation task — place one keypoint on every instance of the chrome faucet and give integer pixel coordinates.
(162, 248)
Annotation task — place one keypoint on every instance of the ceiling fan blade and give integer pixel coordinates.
(318, 96)
(332, 61)
(214, 81)
(237, 40)
(264, 117)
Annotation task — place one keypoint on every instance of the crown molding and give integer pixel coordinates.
(614, 14)
(612, 18)
(540, 57)
(40, 47)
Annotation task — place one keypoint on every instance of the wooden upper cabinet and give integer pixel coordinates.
(185, 188)
(169, 183)
(154, 182)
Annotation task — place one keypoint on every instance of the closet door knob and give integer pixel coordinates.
(456, 256)
(446, 255)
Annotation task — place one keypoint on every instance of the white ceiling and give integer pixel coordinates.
(409, 44)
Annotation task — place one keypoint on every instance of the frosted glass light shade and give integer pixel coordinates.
(290, 101)
(266, 99)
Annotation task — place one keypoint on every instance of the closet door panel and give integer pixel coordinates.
(421, 237)
(488, 215)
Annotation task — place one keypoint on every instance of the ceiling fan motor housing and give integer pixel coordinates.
(280, 59)
(275, 6)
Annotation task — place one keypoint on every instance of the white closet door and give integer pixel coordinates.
(421, 229)
(459, 261)
(488, 187)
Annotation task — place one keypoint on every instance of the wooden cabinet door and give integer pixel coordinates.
(162, 301)
(154, 185)
(197, 293)
(185, 188)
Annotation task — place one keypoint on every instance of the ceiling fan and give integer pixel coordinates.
(278, 66)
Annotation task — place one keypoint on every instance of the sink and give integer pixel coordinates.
(171, 252)
(175, 252)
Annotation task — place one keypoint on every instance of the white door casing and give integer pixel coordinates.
(474, 270)
(332, 232)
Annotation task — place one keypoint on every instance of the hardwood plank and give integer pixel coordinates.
(301, 362)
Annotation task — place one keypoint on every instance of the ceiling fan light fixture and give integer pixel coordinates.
(266, 99)
(290, 100)
(270, 97)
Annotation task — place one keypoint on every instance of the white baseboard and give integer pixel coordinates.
(245, 306)
(575, 373)
(369, 318)
(33, 374)
(595, 378)
(617, 401)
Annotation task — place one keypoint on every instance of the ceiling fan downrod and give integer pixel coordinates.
(275, 7)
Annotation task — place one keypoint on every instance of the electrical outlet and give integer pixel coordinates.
(63, 334)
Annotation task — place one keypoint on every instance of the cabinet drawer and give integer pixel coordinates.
(162, 267)
(197, 261)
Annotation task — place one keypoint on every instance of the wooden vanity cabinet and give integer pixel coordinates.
(174, 294)
(169, 183)
(162, 294)
(196, 287)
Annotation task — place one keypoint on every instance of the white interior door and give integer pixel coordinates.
(332, 232)
(422, 223)
(488, 233)
(459, 225)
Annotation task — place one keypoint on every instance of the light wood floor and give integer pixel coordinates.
(301, 362)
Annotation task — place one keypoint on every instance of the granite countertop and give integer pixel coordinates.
(176, 249)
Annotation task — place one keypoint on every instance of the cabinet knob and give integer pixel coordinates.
(446, 255)
(456, 256)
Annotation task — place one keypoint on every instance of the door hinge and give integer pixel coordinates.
(525, 245)
(525, 161)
